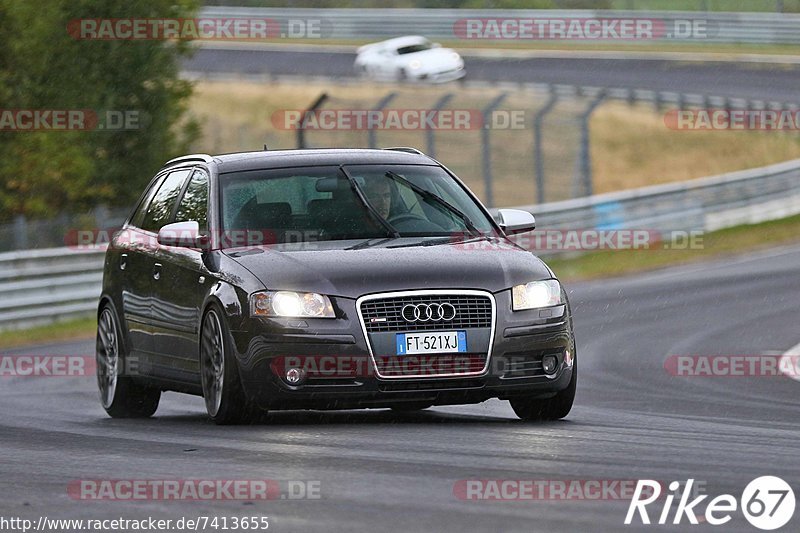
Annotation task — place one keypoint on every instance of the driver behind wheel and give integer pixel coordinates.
(379, 194)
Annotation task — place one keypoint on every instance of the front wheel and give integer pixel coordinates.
(554, 408)
(222, 389)
(120, 396)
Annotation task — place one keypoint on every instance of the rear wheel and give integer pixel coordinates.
(553, 408)
(222, 389)
(120, 396)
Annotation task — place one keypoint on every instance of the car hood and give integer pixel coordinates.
(391, 265)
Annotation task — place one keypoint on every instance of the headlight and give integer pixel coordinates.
(291, 304)
(415, 64)
(536, 294)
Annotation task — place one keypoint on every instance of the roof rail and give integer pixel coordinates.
(408, 149)
(205, 158)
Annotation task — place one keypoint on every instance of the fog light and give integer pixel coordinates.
(549, 364)
(294, 376)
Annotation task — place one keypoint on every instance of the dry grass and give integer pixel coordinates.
(631, 146)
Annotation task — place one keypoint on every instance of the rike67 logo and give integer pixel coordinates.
(767, 503)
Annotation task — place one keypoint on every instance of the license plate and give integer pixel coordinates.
(431, 342)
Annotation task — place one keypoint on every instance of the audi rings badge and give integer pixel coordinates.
(435, 312)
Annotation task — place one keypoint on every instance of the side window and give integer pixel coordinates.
(138, 216)
(160, 208)
(194, 204)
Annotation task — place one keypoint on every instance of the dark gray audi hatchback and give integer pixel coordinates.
(327, 279)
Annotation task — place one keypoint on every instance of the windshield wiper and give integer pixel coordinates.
(438, 199)
(360, 194)
(369, 243)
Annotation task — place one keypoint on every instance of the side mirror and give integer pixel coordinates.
(436, 45)
(182, 235)
(515, 221)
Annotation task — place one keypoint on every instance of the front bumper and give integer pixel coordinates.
(338, 371)
(441, 76)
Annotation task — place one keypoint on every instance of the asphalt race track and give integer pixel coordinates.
(739, 80)
(380, 471)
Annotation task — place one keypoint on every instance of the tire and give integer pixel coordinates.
(555, 408)
(402, 75)
(119, 395)
(219, 373)
(411, 407)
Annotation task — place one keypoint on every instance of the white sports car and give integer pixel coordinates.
(410, 58)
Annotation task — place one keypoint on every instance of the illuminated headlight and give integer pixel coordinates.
(536, 294)
(291, 304)
(415, 64)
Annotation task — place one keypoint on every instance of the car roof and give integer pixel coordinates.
(266, 159)
(397, 42)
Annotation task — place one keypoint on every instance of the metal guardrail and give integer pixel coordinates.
(39, 286)
(43, 286)
(707, 204)
(350, 24)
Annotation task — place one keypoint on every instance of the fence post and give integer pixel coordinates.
(100, 217)
(430, 132)
(585, 157)
(538, 156)
(382, 103)
(301, 132)
(20, 232)
(487, 150)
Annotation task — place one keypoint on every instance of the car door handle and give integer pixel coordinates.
(157, 271)
(123, 261)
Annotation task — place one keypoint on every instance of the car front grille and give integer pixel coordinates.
(385, 314)
(471, 310)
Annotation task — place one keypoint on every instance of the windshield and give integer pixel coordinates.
(350, 202)
(419, 47)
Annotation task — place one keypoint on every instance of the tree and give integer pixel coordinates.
(43, 67)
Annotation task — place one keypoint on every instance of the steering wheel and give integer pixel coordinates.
(413, 222)
(403, 217)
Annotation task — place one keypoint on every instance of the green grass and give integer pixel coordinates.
(727, 242)
(67, 330)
